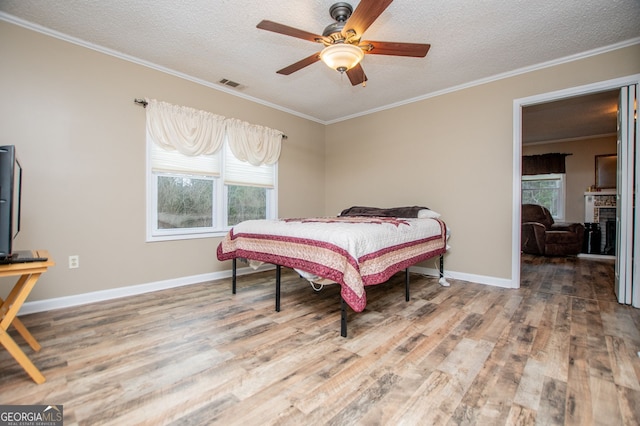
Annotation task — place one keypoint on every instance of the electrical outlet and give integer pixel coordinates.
(74, 261)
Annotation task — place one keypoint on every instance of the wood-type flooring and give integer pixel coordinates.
(559, 350)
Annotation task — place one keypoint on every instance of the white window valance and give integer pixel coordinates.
(194, 132)
(187, 130)
(252, 143)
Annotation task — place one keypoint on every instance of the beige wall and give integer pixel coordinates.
(580, 168)
(453, 153)
(81, 139)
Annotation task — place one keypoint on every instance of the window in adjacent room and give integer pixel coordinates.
(547, 190)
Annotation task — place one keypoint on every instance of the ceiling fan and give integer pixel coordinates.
(344, 47)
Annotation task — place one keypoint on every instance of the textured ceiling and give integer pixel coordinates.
(208, 40)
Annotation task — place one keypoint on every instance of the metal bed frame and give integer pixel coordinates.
(343, 304)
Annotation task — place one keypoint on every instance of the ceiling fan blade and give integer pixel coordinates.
(300, 64)
(416, 50)
(289, 31)
(365, 14)
(356, 75)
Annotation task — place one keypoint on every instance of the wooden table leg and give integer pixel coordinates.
(8, 310)
(19, 356)
(26, 335)
(18, 325)
(16, 298)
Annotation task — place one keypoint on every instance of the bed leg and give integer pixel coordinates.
(443, 281)
(406, 285)
(343, 317)
(277, 288)
(233, 280)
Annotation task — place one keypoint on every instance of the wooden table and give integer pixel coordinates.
(29, 272)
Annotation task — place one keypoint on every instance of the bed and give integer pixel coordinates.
(363, 246)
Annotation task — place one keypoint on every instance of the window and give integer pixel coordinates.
(203, 196)
(248, 189)
(546, 190)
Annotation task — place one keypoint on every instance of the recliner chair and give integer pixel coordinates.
(541, 235)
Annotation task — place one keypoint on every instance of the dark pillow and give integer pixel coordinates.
(376, 211)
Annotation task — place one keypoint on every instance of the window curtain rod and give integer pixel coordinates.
(144, 104)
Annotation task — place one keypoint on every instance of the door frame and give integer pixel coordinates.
(518, 104)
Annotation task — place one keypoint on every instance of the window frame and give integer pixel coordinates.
(562, 196)
(219, 226)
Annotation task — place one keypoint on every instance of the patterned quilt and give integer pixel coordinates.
(353, 251)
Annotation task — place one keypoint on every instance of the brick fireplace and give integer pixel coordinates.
(600, 208)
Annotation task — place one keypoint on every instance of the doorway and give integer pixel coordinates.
(518, 106)
(582, 128)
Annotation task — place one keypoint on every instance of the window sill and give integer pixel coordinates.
(193, 236)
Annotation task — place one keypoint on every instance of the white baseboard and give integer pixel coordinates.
(596, 256)
(116, 293)
(478, 279)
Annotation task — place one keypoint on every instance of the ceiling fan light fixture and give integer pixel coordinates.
(341, 56)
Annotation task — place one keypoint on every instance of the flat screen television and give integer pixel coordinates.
(10, 199)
